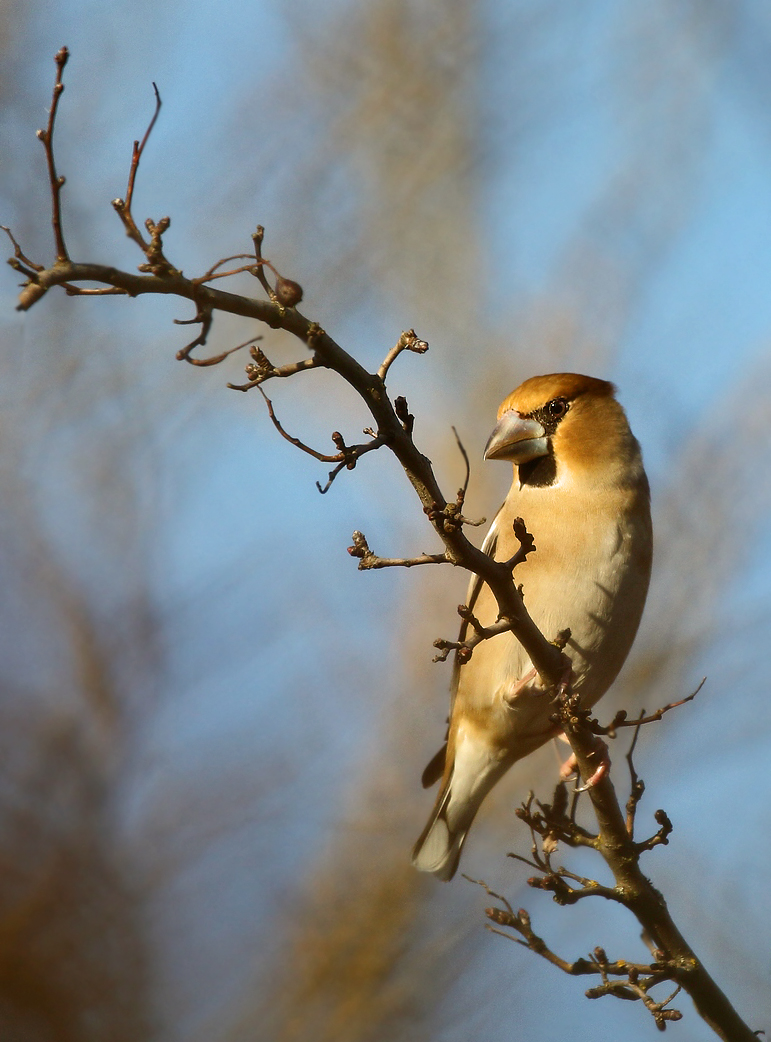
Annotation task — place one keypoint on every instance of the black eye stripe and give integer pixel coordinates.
(549, 415)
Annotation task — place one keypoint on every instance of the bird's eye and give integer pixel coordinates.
(557, 407)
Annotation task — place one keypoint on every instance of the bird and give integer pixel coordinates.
(580, 486)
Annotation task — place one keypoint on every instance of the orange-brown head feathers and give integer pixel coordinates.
(559, 426)
(534, 393)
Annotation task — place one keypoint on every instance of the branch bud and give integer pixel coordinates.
(288, 293)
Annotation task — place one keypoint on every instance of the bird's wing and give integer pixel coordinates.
(435, 767)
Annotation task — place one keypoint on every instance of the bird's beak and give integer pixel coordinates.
(517, 439)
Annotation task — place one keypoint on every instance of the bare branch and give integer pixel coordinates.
(55, 181)
(464, 487)
(123, 207)
(215, 359)
(408, 341)
(139, 149)
(351, 454)
(636, 892)
(261, 369)
(287, 293)
(296, 441)
(526, 544)
(24, 265)
(551, 823)
(257, 239)
(212, 273)
(465, 648)
(620, 719)
(323, 489)
(460, 497)
(637, 785)
(445, 517)
(636, 981)
(368, 560)
(205, 316)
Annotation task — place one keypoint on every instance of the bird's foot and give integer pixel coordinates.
(601, 754)
(521, 685)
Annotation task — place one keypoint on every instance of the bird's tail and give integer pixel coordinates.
(474, 772)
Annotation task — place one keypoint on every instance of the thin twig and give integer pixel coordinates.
(296, 441)
(637, 785)
(215, 359)
(526, 544)
(368, 560)
(464, 487)
(660, 838)
(139, 148)
(620, 719)
(47, 137)
(157, 262)
(24, 265)
(212, 273)
(262, 370)
(287, 293)
(465, 648)
(408, 341)
(123, 206)
(259, 273)
(637, 978)
(205, 316)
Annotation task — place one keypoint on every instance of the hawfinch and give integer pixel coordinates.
(580, 486)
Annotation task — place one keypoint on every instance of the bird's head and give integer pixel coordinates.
(562, 423)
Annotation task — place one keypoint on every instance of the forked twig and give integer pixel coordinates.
(621, 719)
(139, 148)
(212, 273)
(20, 261)
(287, 293)
(123, 206)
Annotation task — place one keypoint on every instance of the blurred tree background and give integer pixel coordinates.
(212, 727)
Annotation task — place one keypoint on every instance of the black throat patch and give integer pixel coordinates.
(539, 472)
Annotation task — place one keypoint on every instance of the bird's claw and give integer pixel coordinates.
(598, 775)
(570, 766)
